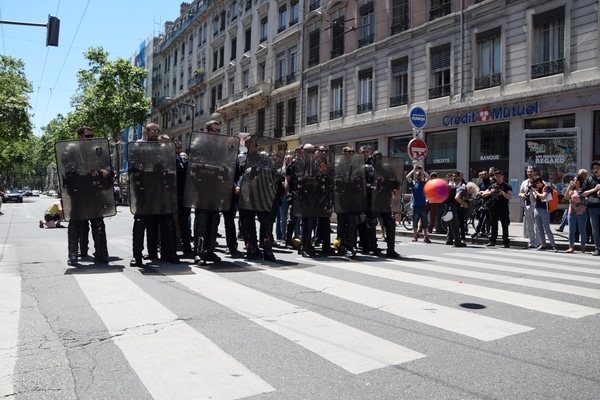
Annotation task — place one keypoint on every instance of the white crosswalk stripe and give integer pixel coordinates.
(354, 350)
(10, 311)
(173, 360)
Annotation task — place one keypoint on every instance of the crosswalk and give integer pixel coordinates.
(173, 358)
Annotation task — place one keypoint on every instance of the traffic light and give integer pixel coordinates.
(52, 31)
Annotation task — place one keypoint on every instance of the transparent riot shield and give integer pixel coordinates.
(152, 178)
(312, 184)
(386, 193)
(210, 173)
(350, 191)
(86, 179)
(261, 177)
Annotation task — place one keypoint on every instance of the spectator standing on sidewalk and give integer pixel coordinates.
(591, 190)
(499, 194)
(577, 213)
(526, 194)
(542, 193)
(417, 178)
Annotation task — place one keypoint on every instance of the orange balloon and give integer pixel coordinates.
(436, 190)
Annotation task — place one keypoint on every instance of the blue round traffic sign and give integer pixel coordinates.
(417, 117)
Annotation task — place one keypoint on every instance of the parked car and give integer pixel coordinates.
(35, 193)
(14, 195)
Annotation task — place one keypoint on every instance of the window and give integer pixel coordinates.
(279, 108)
(282, 18)
(234, 11)
(200, 33)
(295, 12)
(489, 147)
(367, 23)
(264, 29)
(365, 86)
(293, 66)
(440, 71)
(262, 72)
(291, 117)
(489, 50)
(338, 29)
(222, 20)
(399, 87)
(312, 106)
(233, 48)
(439, 8)
(244, 124)
(313, 47)
(260, 122)
(314, 4)
(215, 26)
(400, 16)
(231, 86)
(245, 78)
(336, 98)
(442, 151)
(248, 40)
(549, 36)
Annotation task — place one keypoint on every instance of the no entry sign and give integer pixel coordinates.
(417, 149)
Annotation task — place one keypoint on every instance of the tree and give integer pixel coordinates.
(15, 117)
(111, 94)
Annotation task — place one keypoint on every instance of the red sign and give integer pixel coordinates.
(417, 149)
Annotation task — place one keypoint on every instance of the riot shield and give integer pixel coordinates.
(386, 193)
(86, 179)
(152, 178)
(350, 191)
(312, 184)
(261, 178)
(210, 173)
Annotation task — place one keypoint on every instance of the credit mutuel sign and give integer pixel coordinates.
(486, 114)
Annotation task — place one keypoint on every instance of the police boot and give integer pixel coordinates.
(390, 239)
(100, 247)
(268, 249)
(72, 239)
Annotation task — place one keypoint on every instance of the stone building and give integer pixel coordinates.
(504, 83)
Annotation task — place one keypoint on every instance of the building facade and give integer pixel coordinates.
(505, 83)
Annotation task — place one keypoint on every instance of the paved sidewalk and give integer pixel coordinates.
(517, 239)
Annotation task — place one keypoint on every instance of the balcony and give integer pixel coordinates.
(290, 130)
(366, 40)
(335, 114)
(312, 119)
(548, 68)
(440, 11)
(337, 52)
(399, 100)
(400, 27)
(489, 81)
(439, 91)
(363, 108)
(277, 132)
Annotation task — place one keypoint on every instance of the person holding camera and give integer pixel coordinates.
(577, 210)
(525, 194)
(542, 193)
(499, 193)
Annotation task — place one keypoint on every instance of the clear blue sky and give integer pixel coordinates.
(118, 26)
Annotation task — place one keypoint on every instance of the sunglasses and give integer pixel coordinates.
(154, 130)
(88, 136)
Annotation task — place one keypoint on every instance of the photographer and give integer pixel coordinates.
(526, 195)
(483, 214)
(499, 193)
(542, 194)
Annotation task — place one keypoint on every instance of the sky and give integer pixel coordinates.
(118, 26)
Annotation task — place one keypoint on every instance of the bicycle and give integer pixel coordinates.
(406, 218)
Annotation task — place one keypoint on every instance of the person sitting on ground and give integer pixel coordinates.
(53, 216)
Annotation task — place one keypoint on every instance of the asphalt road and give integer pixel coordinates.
(440, 323)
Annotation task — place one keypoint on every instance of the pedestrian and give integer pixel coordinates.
(417, 178)
(499, 194)
(526, 195)
(591, 190)
(458, 199)
(53, 216)
(542, 193)
(577, 213)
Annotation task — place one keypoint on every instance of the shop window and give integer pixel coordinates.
(441, 154)
(489, 146)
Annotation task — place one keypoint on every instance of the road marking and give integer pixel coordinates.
(463, 322)
(173, 360)
(537, 303)
(349, 348)
(10, 312)
(555, 287)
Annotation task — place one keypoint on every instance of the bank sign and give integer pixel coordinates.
(486, 114)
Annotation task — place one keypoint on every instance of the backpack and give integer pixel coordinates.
(553, 203)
